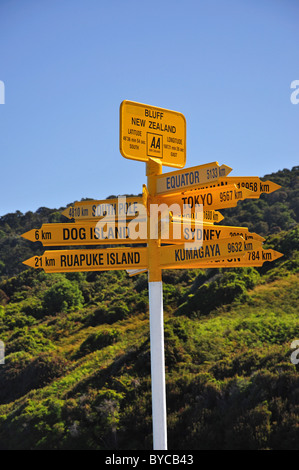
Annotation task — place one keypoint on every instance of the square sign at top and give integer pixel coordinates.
(150, 132)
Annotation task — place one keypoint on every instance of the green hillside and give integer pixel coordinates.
(77, 353)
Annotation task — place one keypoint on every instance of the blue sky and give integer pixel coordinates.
(227, 65)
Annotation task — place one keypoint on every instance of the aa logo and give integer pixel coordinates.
(154, 145)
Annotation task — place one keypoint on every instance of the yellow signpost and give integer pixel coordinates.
(89, 233)
(187, 256)
(60, 261)
(194, 232)
(211, 216)
(117, 208)
(150, 132)
(177, 181)
(208, 216)
(131, 232)
(157, 137)
(209, 198)
(253, 183)
(256, 257)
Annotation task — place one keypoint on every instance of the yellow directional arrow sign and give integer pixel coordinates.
(200, 232)
(108, 233)
(60, 261)
(90, 233)
(121, 207)
(210, 198)
(254, 183)
(150, 132)
(211, 216)
(177, 181)
(251, 258)
(208, 216)
(181, 256)
(256, 258)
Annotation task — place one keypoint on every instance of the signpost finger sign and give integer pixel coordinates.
(57, 261)
(149, 132)
(177, 181)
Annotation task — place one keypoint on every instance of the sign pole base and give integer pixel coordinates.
(157, 365)
(155, 287)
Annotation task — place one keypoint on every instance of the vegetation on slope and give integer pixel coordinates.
(77, 352)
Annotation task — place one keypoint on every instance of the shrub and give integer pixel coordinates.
(99, 340)
(23, 373)
(64, 295)
(29, 340)
(224, 288)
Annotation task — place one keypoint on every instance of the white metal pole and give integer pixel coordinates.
(157, 365)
